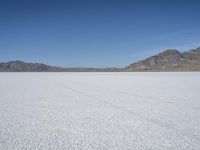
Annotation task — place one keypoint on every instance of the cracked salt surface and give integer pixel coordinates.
(94, 111)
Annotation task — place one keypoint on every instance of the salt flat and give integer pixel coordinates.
(93, 111)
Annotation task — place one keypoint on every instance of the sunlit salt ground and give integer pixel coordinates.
(93, 111)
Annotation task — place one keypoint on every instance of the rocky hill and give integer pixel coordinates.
(169, 60)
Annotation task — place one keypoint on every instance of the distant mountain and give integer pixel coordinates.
(169, 60)
(20, 66)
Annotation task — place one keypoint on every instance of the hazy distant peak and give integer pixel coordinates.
(15, 61)
(195, 51)
(170, 52)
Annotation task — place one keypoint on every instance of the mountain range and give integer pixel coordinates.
(168, 60)
(21, 66)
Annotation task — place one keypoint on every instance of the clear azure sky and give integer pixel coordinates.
(95, 33)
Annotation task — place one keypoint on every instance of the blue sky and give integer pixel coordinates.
(95, 33)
